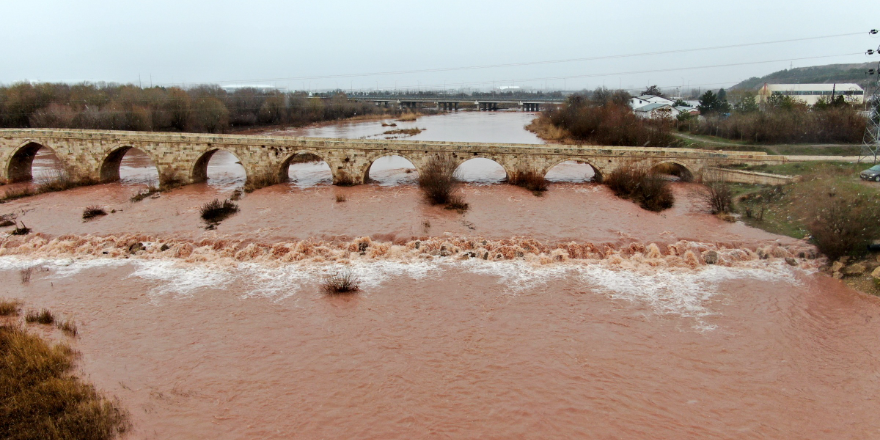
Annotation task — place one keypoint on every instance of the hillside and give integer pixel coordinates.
(840, 73)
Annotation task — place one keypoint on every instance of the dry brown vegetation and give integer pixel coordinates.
(408, 117)
(530, 180)
(40, 398)
(439, 184)
(9, 307)
(340, 282)
(216, 211)
(144, 194)
(92, 212)
(195, 109)
(717, 194)
(44, 316)
(405, 131)
(640, 185)
(604, 118)
(787, 121)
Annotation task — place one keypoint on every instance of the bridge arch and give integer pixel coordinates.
(391, 161)
(482, 169)
(305, 157)
(574, 162)
(19, 168)
(112, 162)
(674, 168)
(199, 171)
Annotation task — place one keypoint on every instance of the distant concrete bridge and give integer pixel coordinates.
(182, 158)
(452, 102)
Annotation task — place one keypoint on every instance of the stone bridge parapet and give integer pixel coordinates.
(183, 157)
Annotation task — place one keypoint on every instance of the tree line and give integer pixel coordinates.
(204, 108)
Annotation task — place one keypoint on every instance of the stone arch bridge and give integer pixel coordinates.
(182, 158)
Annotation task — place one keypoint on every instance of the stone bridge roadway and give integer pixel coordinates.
(95, 155)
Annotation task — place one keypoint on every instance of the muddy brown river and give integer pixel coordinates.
(572, 315)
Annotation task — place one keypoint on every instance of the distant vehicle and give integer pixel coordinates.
(872, 173)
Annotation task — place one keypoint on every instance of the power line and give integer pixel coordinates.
(531, 63)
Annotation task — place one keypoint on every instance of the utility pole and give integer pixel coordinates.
(871, 139)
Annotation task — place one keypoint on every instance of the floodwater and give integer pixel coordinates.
(571, 315)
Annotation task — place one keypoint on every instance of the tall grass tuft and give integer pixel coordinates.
(40, 398)
(9, 307)
(44, 316)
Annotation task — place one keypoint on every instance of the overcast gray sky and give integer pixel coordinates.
(301, 45)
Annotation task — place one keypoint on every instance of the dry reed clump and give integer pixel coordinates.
(439, 184)
(638, 184)
(340, 198)
(9, 307)
(408, 117)
(40, 398)
(144, 194)
(405, 131)
(44, 316)
(216, 211)
(68, 327)
(93, 211)
(530, 180)
(340, 282)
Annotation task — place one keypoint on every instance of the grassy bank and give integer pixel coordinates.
(784, 208)
(706, 142)
(41, 398)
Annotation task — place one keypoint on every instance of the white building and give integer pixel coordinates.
(656, 111)
(640, 101)
(812, 93)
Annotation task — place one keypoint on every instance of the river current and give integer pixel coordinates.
(572, 315)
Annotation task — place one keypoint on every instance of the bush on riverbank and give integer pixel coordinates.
(787, 121)
(604, 118)
(828, 203)
(640, 185)
(41, 398)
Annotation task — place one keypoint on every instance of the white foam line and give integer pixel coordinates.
(180, 279)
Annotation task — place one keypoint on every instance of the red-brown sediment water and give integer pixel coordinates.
(572, 315)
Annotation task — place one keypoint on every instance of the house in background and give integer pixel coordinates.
(656, 111)
(810, 94)
(640, 101)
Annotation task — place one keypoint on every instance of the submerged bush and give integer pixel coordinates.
(530, 180)
(93, 211)
(40, 398)
(438, 181)
(217, 211)
(649, 190)
(343, 281)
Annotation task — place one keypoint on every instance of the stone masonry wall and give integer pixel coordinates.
(176, 155)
